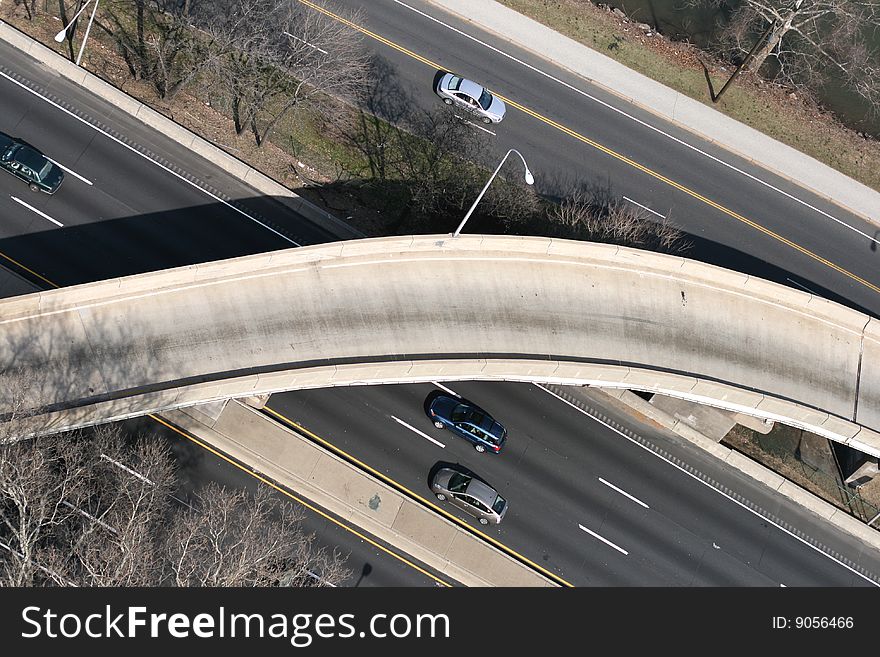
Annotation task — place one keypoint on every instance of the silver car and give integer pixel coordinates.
(471, 97)
(472, 495)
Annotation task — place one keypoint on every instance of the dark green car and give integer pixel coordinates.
(24, 161)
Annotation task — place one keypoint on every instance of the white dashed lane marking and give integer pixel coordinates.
(414, 430)
(624, 493)
(39, 212)
(70, 171)
(604, 540)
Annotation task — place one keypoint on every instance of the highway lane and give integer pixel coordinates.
(372, 562)
(578, 490)
(559, 159)
(122, 255)
(370, 566)
(137, 217)
(128, 190)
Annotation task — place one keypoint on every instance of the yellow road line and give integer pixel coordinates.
(370, 34)
(612, 153)
(304, 502)
(28, 270)
(399, 486)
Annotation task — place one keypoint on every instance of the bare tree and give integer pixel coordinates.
(278, 55)
(230, 538)
(158, 42)
(808, 41)
(595, 214)
(40, 482)
(29, 7)
(94, 508)
(434, 160)
(117, 539)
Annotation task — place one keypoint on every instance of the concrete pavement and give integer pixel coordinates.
(515, 309)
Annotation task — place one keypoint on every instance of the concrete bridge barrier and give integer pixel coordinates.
(422, 308)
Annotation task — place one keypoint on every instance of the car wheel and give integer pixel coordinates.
(448, 101)
(34, 187)
(438, 424)
(479, 448)
(441, 496)
(487, 120)
(483, 521)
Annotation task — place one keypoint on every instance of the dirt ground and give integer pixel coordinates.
(784, 450)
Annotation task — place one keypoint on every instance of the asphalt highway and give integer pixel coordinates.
(371, 562)
(571, 132)
(132, 200)
(593, 505)
(123, 213)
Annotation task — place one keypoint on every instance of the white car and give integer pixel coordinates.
(471, 97)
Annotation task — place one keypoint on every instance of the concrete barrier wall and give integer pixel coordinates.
(431, 307)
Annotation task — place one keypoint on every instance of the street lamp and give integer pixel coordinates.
(60, 36)
(529, 181)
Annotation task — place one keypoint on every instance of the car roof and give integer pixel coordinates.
(29, 158)
(5, 141)
(471, 88)
(482, 491)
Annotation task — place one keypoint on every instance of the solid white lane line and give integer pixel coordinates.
(149, 159)
(449, 390)
(70, 171)
(310, 45)
(709, 486)
(643, 123)
(33, 209)
(604, 540)
(644, 207)
(413, 429)
(624, 493)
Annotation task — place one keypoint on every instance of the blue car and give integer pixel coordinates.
(469, 421)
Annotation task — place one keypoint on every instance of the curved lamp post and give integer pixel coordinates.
(60, 36)
(529, 181)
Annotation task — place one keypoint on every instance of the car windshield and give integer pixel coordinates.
(454, 83)
(458, 482)
(499, 504)
(42, 173)
(485, 99)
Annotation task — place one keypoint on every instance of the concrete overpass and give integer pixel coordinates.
(425, 308)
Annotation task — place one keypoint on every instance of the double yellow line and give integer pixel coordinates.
(610, 152)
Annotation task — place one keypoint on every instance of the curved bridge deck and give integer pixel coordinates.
(436, 308)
